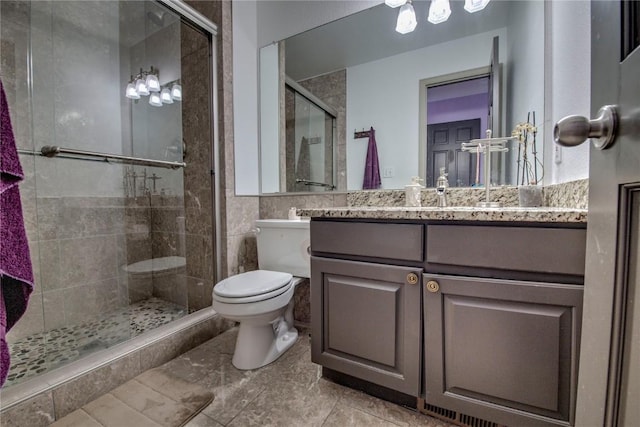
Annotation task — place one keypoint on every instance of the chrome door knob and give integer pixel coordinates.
(574, 130)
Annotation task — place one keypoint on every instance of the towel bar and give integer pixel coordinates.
(70, 153)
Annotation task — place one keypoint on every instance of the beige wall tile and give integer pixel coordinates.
(88, 259)
(35, 412)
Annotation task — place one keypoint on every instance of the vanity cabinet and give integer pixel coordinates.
(365, 308)
(502, 350)
(478, 321)
(366, 321)
(496, 349)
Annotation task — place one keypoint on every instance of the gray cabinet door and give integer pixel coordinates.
(503, 351)
(365, 321)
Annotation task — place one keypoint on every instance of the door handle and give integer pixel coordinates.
(574, 130)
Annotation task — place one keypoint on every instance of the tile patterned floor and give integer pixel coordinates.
(288, 392)
(44, 351)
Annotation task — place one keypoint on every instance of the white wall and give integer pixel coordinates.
(568, 91)
(525, 44)
(245, 97)
(394, 81)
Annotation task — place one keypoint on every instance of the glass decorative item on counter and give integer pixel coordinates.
(413, 192)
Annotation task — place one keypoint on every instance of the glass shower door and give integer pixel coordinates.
(117, 248)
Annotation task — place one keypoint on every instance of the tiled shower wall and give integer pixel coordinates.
(80, 243)
(80, 248)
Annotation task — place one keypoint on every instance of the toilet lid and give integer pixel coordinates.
(252, 283)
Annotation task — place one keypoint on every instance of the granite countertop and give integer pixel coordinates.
(507, 214)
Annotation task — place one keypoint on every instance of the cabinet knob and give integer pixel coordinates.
(433, 286)
(412, 278)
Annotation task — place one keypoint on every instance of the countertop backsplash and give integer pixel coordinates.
(572, 194)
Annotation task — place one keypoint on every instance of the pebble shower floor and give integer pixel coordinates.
(45, 351)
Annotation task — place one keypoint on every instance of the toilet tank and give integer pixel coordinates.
(283, 245)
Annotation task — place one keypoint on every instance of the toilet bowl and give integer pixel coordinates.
(262, 300)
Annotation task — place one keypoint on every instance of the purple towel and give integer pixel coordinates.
(16, 275)
(371, 167)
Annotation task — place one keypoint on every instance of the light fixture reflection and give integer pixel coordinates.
(152, 83)
(176, 92)
(472, 6)
(394, 3)
(141, 88)
(406, 19)
(147, 83)
(154, 99)
(130, 92)
(439, 11)
(165, 96)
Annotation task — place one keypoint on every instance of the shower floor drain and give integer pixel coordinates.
(44, 351)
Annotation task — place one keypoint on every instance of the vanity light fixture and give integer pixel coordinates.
(406, 19)
(394, 3)
(176, 92)
(154, 99)
(439, 11)
(165, 96)
(131, 92)
(141, 87)
(152, 82)
(147, 83)
(472, 6)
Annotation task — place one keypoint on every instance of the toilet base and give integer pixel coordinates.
(258, 345)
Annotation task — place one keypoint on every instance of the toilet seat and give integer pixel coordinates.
(252, 286)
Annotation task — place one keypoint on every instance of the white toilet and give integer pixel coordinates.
(262, 300)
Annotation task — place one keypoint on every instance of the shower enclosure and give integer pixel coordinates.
(121, 232)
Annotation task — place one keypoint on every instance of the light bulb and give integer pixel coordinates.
(394, 3)
(439, 11)
(154, 99)
(406, 19)
(176, 92)
(475, 5)
(130, 92)
(152, 82)
(165, 96)
(142, 88)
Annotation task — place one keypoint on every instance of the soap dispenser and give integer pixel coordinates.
(442, 184)
(413, 192)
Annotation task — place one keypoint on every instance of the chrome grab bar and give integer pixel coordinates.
(69, 153)
(319, 184)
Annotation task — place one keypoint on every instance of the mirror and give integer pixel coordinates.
(362, 74)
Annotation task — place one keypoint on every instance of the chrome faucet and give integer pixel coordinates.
(442, 184)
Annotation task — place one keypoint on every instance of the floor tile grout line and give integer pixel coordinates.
(264, 389)
(126, 404)
(92, 417)
(330, 412)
